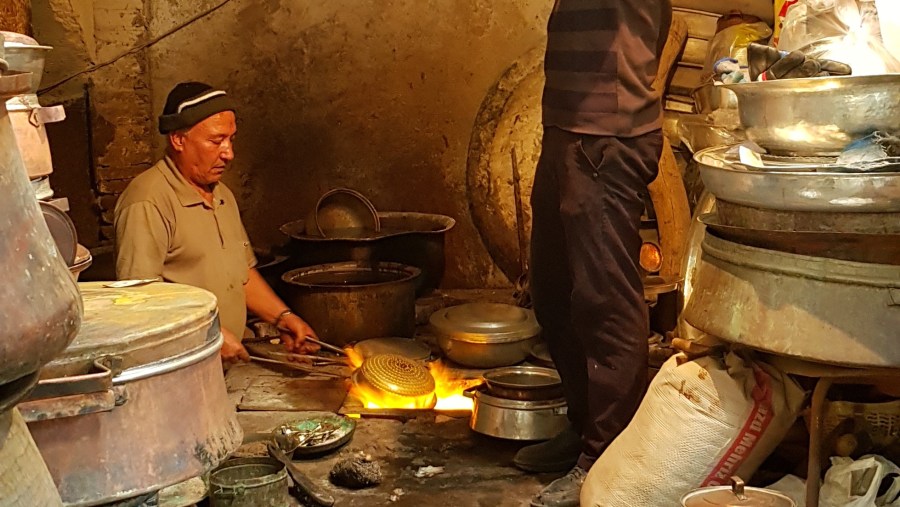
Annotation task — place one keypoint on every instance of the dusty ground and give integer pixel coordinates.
(477, 470)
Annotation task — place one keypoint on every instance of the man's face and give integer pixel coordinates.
(203, 152)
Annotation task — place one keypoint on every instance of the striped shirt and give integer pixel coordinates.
(601, 60)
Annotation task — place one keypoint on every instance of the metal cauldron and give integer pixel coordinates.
(516, 419)
(138, 401)
(812, 308)
(351, 301)
(412, 239)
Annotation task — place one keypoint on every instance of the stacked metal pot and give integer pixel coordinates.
(801, 257)
(40, 310)
(28, 119)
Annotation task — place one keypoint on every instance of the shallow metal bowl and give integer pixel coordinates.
(801, 190)
(817, 116)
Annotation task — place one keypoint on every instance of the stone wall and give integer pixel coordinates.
(377, 96)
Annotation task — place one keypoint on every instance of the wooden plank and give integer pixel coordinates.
(673, 213)
(701, 25)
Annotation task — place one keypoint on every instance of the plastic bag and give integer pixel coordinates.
(838, 30)
(857, 483)
(732, 42)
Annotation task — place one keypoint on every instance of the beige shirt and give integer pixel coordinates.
(165, 229)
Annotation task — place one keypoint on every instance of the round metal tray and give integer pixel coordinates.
(339, 430)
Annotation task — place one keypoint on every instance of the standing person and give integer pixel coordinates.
(601, 148)
(178, 222)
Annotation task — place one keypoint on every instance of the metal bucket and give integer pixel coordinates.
(249, 482)
(812, 308)
(351, 301)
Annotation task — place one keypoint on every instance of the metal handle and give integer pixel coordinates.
(469, 392)
(76, 395)
(737, 487)
(42, 115)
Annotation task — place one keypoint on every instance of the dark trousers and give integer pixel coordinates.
(586, 203)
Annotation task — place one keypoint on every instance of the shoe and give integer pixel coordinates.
(558, 454)
(563, 492)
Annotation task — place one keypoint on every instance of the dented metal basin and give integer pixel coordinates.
(812, 308)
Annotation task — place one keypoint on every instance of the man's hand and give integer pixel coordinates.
(232, 350)
(294, 331)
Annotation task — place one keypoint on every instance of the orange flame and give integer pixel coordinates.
(449, 389)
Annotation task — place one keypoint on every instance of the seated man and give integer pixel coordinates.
(178, 222)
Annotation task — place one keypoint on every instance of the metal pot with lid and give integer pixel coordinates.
(485, 335)
(138, 401)
(736, 495)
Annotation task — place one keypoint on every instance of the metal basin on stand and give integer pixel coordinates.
(413, 239)
(812, 308)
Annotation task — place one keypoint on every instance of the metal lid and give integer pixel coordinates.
(736, 495)
(406, 347)
(486, 323)
(397, 375)
(141, 325)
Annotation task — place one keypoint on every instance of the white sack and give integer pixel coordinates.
(700, 423)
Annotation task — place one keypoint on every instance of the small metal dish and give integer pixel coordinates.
(315, 434)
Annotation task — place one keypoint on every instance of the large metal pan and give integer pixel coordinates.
(848, 246)
(798, 190)
(817, 116)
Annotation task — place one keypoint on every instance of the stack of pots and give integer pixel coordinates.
(803, 250)
(40, 312)
(28, 119)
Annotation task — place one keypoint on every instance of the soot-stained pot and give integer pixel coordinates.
(485, 335)
(137, 402)
(351, 301)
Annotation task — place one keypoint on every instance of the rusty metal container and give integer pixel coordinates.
(138, 401)
(346, 302)
(40, 308)
(813, 308)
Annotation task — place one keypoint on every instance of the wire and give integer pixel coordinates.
(135, 49)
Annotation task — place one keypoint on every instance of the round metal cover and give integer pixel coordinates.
(141, 325)
(486, 323)
(397, 375)
(63, 231)
(723, 496)
(406, 347)
(522, 377)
